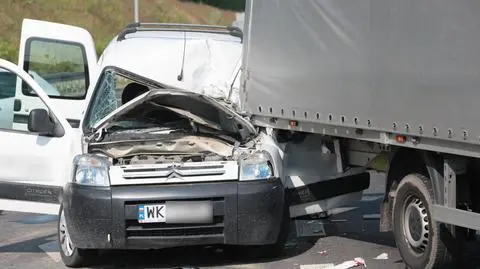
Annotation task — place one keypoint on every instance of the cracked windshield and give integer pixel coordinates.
(278, 134)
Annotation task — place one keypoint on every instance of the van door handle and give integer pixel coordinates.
(17, 105)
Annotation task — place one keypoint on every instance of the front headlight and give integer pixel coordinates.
(256, 167)
(90, 170)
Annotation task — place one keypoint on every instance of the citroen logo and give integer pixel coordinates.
(174, 173)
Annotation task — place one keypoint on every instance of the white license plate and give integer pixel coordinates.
(152, 213)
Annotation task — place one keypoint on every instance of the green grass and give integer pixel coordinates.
(103, 19)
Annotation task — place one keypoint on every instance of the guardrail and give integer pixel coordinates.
(68, 84)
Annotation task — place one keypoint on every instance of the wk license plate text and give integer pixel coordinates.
(152, 213)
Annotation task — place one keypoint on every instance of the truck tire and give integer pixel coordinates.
(71, 256)
(417, 236)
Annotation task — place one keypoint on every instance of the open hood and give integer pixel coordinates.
(200, 109)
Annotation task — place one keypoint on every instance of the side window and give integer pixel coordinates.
(11, 118)
(60, 68)
(105, 99)
(7, 95)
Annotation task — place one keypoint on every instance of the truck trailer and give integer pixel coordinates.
(398, 79)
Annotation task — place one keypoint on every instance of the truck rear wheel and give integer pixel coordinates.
(417, 236)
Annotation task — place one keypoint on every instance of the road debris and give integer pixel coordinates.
(349, 264)
(339, 220)
(323, 215)
(383, 256)
(371, 216)
(291, 244)
(317, 266)
(310, 228)
(323, 253)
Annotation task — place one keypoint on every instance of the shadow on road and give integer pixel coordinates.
(28, 246)
(184, 257)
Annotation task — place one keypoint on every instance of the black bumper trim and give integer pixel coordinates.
(30, 192)
(172, 241)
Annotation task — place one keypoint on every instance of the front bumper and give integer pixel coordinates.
(245, 213)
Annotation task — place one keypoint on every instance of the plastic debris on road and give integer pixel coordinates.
(383, 256)
(323, 253)
(317, 266)
(339, 220)
(349, 264)
(291, 243)
(371, 216)
(310, 228)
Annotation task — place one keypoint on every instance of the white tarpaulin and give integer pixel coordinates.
(406, 66)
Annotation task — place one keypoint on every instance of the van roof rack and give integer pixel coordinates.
(179, 27)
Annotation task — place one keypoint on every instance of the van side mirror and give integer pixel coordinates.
(39, 121)
(17, 105)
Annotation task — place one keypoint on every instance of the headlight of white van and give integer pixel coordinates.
(256, 167)
(90, 170)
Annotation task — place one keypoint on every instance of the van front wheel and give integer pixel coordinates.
(71, 256)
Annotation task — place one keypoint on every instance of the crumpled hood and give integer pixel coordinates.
(199, 108)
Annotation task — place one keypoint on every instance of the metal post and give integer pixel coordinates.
(137, 17)
(338, 153)
(449, 184)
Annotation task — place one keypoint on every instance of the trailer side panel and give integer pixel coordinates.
(410, 66)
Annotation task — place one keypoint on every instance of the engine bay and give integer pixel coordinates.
(168, 158)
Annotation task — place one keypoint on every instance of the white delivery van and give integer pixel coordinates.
(161, 156)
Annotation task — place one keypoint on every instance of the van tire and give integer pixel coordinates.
(72, 257)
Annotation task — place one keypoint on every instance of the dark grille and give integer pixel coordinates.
(135, 229)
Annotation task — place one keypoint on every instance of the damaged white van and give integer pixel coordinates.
(161, 156)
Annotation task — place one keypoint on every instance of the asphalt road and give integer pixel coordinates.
(28, 241)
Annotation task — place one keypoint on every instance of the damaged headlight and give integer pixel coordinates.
(90, 170)
(256, 167)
